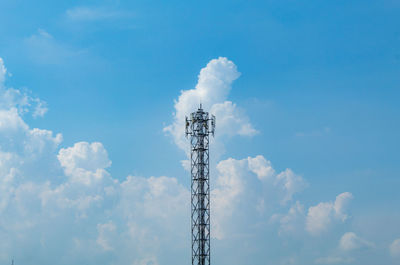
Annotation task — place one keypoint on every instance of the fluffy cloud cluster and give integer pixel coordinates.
(212, 90)
(22, 149)
(84, 162)
(67, 194)
(317, 220)
(291, 223)
(66, 198)
(321, 216)
(15, 100)
(63, 201)
(249, 183)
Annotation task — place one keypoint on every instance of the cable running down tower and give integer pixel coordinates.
(199, 126)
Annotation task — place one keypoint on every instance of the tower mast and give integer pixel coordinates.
(199, 127)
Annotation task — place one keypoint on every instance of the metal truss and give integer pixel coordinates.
(199, 127)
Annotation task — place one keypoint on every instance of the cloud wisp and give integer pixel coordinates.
(92, 14)
(395, 248)
(350, 241)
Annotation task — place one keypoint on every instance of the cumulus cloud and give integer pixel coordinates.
(22, 101)
(84, 162)
(236, 178)
(316, 220)
(136, 218)
(261, 167)
(237, 183)
(23, 149)
(224, 198)
(290, 183)
(292, 222)
(63, 201)
(395, 248)
(321, 216)
(104, 232)
(212, 90)
(350, 241)
(46, 188)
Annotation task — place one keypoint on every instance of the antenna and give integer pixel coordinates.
(199, 127)
(213, 122)
(187, 124)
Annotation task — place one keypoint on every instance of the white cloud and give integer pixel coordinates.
(11, 122)
(292, 222)
(350, 241)
(85, 156)
(23, 148)
(85, 162)
(231, 120)
(321, 216)
(290, 183)
(44, 49)
(236, 186)
(105, 230)
(395, 248)
(21, 101)
(212, 89)
(224, 197)
(261, 167)
(40, 108)
(162, 197)
(64, 201)
(23, 151)
(340, 205)
(3, 72)
(135, 218)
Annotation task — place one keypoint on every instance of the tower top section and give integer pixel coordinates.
(200, 123)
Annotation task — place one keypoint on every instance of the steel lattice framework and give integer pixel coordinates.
(199, 127)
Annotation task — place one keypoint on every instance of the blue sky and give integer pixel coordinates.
(312, 87)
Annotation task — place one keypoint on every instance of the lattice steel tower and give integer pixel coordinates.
(199, 127)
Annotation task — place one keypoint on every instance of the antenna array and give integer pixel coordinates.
(199, 127)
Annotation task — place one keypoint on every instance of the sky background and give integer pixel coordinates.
(304, 166)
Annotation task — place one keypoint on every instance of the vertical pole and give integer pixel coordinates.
(198, 128)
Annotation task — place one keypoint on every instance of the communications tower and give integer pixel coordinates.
(199, 126)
